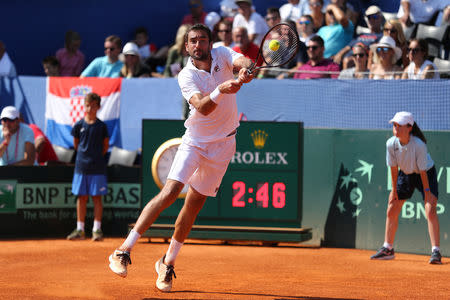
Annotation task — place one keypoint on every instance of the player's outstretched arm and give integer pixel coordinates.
(207, 104)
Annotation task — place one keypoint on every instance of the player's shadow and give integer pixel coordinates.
(275, 297)
(340, 227)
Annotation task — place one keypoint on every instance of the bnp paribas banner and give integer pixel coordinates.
(34, 196)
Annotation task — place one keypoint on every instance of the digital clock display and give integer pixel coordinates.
(265, 193)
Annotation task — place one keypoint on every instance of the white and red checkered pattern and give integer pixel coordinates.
(77, 109)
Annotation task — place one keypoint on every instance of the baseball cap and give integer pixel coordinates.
(10, 112)
(129, 49)
(373, 9)
(403, 118)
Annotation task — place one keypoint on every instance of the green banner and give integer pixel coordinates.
(59, 195)
(8, 196)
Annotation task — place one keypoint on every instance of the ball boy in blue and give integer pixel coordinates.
(91, 140)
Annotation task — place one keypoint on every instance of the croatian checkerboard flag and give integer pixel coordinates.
(65, 106)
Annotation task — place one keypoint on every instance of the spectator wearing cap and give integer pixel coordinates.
(197, 14)
(133, 66)
(374, 19)
(108, 65)
(7, 67)
(386, 53)
(420, 11)
(254, 23)
(360, 70)
(338, 32)
(16, 139)
(71, 59)
(419, 67)
(317, 63)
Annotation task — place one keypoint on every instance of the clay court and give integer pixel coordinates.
(60, 269)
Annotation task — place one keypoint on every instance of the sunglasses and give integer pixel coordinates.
(304, 22)
(7, 120)
(110, 48)
(271, 18)
(225, 30)
(374, 17)
(316, 4)
(383, 49)
(360, 55)
(390, 30)
(414, 50)
(312, 47)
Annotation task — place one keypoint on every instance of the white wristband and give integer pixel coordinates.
(216, 96)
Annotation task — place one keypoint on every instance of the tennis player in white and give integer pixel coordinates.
(207, 148)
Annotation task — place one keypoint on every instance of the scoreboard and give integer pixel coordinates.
(263, 183)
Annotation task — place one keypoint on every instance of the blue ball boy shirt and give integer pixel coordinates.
(90, 159)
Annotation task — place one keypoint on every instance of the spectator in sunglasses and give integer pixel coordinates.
(315, 6)
(394, 29)
(374, 19)
(359, 71)
(386, 53)
(305, 28)
(321, 67)
(273, 16)
(224, 28)
(108, 65)
(338, 32)
(419, 67)
(16, 139)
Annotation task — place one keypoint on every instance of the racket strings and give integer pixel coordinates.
(288, 44)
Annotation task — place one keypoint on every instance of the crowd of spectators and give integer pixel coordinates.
(354, 53)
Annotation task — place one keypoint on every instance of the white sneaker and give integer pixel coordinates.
(165, 272)
(118, 262)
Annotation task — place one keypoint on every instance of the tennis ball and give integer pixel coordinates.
(274, 45)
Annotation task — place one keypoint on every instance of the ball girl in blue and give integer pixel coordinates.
(91, 141)
(411, 168)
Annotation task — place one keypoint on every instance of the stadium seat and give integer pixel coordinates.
(64, 154)
(410, 32)
(122, 157)
(442, 65)
(437, 38)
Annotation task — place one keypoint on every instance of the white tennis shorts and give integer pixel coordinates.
(203, 166)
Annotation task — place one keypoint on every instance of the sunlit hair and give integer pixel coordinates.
(401, 39)
(179, 38)
(93, 97)
(115, 40)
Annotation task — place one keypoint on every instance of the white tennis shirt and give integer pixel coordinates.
(224, 119)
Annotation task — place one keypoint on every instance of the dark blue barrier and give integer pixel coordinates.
(348, 104)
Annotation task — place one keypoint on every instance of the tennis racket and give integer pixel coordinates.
(278, 47)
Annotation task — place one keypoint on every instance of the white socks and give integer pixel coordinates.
(80, 225)
(435, 248)
(131, 240)
(97, 225)
(172, 252)
(387, 245)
